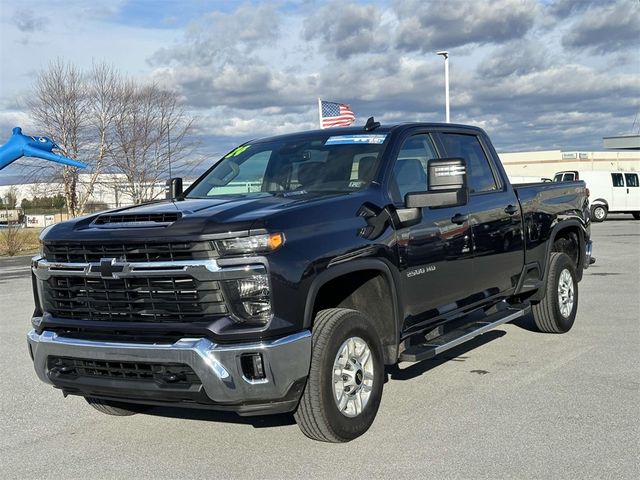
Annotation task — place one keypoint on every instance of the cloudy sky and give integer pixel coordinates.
(536, 74)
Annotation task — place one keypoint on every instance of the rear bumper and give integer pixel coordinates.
(223, 384)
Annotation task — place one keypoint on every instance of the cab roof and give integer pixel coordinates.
(359, 130)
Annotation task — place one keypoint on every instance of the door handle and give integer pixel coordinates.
(511, 209)
(459, 218)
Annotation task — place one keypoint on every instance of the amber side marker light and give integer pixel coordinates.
(275, 241)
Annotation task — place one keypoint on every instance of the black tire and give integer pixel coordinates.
(119, 409)
(599, 213)
(318, 415)
(547, 313)
(636, 215)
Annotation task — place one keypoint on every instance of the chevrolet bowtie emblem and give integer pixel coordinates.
(108, 267)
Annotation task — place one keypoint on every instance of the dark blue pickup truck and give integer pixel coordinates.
(288, 275)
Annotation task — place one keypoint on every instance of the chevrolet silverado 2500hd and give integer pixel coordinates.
(289, 274)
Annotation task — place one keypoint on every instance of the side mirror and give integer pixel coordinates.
(173, 188)
(447, 185)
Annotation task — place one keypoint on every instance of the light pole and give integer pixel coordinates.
(445, 54)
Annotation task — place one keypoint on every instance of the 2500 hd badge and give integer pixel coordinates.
(420, 271)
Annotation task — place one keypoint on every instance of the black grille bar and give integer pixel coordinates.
(132, 252)
(168, 299)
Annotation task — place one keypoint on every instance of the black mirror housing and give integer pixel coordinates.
(173, 188)
(447, 185)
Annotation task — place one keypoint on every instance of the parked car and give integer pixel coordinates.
(610, 192)
(363, 247)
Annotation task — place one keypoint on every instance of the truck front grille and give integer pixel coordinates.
(131, 252)
(174, 374)
(176, 298)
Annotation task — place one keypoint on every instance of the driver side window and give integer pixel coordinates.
(411, 167)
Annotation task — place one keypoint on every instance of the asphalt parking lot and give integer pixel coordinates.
(513, 403)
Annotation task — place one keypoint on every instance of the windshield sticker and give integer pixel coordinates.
(237, 151)
(355, 139)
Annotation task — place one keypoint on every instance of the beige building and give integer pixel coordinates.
(547, 162)
(109, 190)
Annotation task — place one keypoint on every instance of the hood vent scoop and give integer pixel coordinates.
(137, 219)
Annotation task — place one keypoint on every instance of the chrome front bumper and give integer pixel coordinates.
(286, 360)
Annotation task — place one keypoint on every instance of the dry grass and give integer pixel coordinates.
(18, 241)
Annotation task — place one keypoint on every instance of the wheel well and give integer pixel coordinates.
(369, 292)
(567, 241)
(599, 201)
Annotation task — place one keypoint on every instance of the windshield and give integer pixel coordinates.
(324, 163)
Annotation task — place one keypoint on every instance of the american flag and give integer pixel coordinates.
(336, 114)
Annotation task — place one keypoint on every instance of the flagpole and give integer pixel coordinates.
(320, 112)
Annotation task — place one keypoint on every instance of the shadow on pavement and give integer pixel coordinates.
(456, 354)
(265, 421)
(527, 323)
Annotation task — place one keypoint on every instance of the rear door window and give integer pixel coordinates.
(480, 176)
(632, 179)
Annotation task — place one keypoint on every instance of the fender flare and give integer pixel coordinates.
(353, 266)
(552, 238)
(599, 201)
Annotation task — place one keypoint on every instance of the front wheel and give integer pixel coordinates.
(599, 213)
(344, 387)
(556, 312)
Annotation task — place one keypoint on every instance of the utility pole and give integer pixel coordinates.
(445, 54)
(169, 147)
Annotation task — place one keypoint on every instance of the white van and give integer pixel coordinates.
(609, 192)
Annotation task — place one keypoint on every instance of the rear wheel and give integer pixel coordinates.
(599, 213)
(556, 312)
(119, 409)
(344, 387)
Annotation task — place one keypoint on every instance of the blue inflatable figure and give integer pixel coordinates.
(20, 145)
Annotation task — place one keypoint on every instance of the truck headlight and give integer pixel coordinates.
(252, 244)
(250, 298)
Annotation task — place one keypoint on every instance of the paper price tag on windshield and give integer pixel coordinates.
(356, 139)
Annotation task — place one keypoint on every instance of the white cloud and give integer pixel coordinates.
(522, 69)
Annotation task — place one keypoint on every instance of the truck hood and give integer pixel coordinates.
(184, 218)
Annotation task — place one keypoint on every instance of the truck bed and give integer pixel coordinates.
(545, 205)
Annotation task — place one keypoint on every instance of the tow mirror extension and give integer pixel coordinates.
(447, 185)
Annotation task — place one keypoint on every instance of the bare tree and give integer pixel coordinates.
(60, 106)
(113, 124)
(104, 89)
(11, 199)
(77, 110)
(149, 139)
